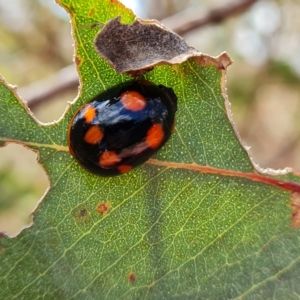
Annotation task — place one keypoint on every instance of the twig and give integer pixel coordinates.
(181, 23)
(187, 21)
(44, 90)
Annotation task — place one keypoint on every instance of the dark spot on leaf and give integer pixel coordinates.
(113, 1)
(91, 12)
(185, 70)
(1, 250)
(265, 248)
(2, 235)
(97, 24)
(131, 277)
(81, 214)
(140, 45)
(296, 210)
(102, 208)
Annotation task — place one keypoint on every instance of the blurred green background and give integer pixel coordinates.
(263, 84)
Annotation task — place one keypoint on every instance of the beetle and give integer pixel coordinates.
(122, 127)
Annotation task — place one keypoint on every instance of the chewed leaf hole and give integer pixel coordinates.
(22, 184)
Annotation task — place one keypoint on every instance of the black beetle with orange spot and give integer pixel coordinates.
(122, 127)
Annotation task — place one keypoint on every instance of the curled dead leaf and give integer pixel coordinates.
(137, 47)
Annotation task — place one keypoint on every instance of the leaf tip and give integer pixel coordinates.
(224, 60)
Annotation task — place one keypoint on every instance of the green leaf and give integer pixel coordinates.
(195, 222)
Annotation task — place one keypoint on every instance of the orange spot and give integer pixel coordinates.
(83, 213)
(131, 277)
(108, 158)
(94, 135)
(155, 136)
(77, 60)
(133, 101)
(89, 113)
(102, 208)
(124, 169)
